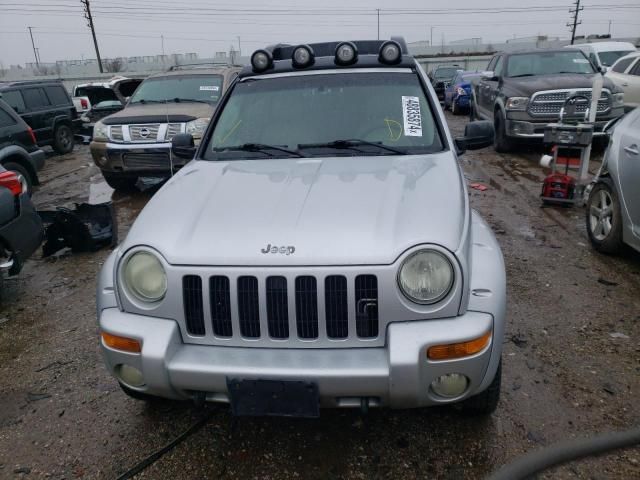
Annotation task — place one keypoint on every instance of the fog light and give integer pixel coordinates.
(129, 375)
(102, 160)
(346, 53)
(450, 385)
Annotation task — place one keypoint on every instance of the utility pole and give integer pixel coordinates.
(35, 54)
(162, 41)
(609, 32)
(239, 47)
(87, 15)
(378, 10)
(431, 40)
(575, 24)
(38, 55)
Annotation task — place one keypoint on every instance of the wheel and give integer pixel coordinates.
(472, 112)
(502, 143)
(604, 221)
(486, 402)
(63, 140)
(23, 175)
(454, 107)
(119, 182)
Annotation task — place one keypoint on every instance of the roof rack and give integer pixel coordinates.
(192, 66)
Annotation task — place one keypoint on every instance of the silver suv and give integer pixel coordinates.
(319, 251)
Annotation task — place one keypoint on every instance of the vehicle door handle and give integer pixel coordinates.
(633, 149)
(625, 84)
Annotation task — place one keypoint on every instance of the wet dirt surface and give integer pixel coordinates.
(571, 363)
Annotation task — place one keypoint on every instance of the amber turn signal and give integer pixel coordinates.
(121, 343)
(459, 350)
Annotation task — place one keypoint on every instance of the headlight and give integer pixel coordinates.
(144, 277)
(426, 277)
(100, 132)
(196, 127)
(618, 99)
(461, 91)
(517, 103)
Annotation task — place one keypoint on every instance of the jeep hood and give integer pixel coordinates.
(332, 211)
(159, 112)
(527, 86)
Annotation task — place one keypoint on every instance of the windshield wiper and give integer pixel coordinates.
(178, 100)
(352, 144)
(143, 101)
(259, 147)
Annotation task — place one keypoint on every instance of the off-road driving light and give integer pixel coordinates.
(129, 375)
(125, 344)
(450, 385)
(346, 53)
(390, 53)
(459, 350)
(426, 277)
(144, 277)
(261, 60)
(302, 56)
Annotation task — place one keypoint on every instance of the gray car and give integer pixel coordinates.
(318, 251)
(613, 205)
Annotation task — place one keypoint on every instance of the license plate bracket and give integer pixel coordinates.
(273, 398)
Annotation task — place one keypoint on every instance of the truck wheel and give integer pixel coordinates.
(23, 176)
(502, 143)
(604, 221)
(63, 140)
(119, 182)
(486, 402)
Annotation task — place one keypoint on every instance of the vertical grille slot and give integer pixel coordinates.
(248, 308)
(337, 311)
(277, 307)
(366, 306)
(307, 307)
(192, 299)
(220, 300)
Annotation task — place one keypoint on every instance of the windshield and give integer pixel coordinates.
(468, 77)
(609, 58)
(305, 113)
(203, 88)
(446, 72)
(548, 63)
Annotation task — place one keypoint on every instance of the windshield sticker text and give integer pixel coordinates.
(209, 88)
(412, 117)
(580, 60)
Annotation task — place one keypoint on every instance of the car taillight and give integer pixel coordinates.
(84, 104)
(32, 135)
(11, 181)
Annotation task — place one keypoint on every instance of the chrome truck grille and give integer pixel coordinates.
(298, 308)
(144, 133)
(549, 102)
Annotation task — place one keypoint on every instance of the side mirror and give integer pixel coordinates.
(183, 146)
(477, 135)
(489, 76)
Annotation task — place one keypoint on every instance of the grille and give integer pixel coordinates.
(193, 311)
(116, 133)
(173, 129)
(144, 133)
(550, 103)
(284, 298)
(146, 161)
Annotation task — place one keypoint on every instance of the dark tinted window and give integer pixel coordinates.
(608, 58)
(57, 95)
(35, 98)
(6, 120)
(14, 99)
(492, 63)
(636, 69)
(622, 65)
(497, 71)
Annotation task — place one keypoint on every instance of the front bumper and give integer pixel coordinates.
(397, 375)
(522, 125)
(140, 159)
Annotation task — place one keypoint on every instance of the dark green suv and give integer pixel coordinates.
(47, 108)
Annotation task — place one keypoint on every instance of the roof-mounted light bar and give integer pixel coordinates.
(346, 54)
(261, 60)
(390, 53)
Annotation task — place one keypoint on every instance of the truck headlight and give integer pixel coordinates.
(618, 99)
(426, 277)
(100, 132)
(197, 127)
(144, 277)
(517, 103)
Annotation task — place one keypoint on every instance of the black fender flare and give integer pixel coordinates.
(17, 154)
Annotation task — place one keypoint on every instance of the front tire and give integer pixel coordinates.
(502, 143)
(604, 221)
(23, 175)
(455, 110)
(119, 182)
(63, 140)
(486, 402)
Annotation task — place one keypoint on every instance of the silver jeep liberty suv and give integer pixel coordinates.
(318, 251)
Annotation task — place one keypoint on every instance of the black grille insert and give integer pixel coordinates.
(335, 304)
(220, 299)
(277, 307)
(307, 307)
(248, 307)
(192, 299)
(366, 306)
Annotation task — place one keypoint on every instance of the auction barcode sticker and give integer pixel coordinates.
(212, 88)
(412, 117)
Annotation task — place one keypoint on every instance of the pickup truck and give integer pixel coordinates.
(523, 91)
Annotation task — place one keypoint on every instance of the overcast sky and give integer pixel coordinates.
(134, 27)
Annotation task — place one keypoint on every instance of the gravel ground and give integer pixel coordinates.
(571, 363)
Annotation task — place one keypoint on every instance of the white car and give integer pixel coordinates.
(626, 74)
(604, 54)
